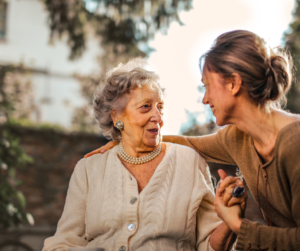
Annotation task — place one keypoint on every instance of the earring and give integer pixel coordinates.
(119, 125)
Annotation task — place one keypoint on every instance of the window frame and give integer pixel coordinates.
(3, 16)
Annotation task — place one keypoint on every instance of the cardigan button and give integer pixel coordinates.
(133, 200)
(131, 227)
(122, 248)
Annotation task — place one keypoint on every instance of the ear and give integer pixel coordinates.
(236, 84)
(114, 116)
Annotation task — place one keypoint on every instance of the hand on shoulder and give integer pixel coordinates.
(103, 149)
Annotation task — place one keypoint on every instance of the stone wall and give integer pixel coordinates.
(46, 180)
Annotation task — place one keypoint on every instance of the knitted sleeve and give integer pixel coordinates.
(71, 226)
(214, 147)
(255, 236)
(207, 219)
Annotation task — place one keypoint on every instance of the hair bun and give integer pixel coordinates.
(278, 78)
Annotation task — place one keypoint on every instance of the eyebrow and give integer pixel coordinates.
(143, 101)
(148, 100)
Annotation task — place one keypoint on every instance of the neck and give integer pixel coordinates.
(262, 126)
(137, 150)
(257, 123)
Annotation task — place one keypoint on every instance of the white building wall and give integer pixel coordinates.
(27, 41)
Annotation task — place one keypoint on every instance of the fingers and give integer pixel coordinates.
(227, 194)
(93, 152)
(229, 200)
(227, 182)
(111, 144)
(234, 201)
(220, 208)
(218, 203)
(243, 206)
(222, 174)
(103, 149)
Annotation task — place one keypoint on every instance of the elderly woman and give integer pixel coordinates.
(142, 194)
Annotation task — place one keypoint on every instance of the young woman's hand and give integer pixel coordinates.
(232, 216)
(103, 149)
(225, 188)
(230, 209)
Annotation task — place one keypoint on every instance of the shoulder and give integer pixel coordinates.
(287, 153)
(97, 162)
(289, 136)
(96, 158)
(288, 141)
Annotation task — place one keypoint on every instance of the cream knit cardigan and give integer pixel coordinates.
(173, 212)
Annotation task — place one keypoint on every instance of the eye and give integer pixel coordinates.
(161, 108)
(145, 108)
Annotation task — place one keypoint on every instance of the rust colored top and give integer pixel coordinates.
(275, 185)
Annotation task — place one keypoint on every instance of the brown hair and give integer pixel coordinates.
(266, 74)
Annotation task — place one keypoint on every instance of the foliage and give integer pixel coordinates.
(199, 130)
(292, 43)
(119, 24)
(15, 103)
(12, 201)
(83, 120)
(123, 28)
(25, 122)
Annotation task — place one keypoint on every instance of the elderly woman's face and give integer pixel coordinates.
(142, 118)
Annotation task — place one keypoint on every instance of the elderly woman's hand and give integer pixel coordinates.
(230, 209)
(227, 184)
(103, 149)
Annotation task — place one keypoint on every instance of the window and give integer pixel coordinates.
(3, 9)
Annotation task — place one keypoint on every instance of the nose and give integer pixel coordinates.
(156, 116)
(205, 100)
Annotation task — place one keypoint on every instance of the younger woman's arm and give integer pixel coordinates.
(211, 233)
(213, 147)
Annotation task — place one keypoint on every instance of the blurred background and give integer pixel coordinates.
(53, 54)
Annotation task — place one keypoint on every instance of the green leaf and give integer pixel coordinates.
(12, 173)
(19, 182)
(21, 199)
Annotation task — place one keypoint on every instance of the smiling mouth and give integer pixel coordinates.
(153, 131)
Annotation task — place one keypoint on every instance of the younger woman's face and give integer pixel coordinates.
(218, 96)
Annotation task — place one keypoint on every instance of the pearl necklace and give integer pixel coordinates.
(136, 161)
